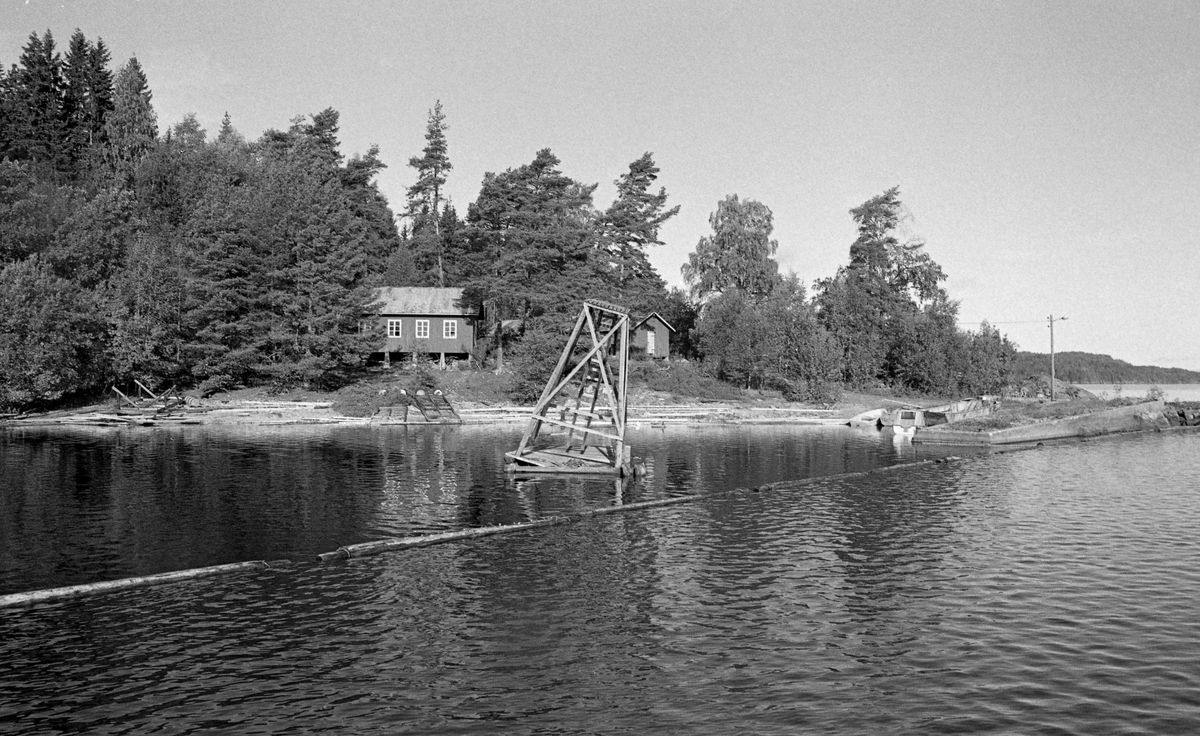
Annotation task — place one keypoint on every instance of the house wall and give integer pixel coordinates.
(662, 338)
(436, 343)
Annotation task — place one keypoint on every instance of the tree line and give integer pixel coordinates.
(533, 243)
(129, 251)
(883, 320)
(174, 257)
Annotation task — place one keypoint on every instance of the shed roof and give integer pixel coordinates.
(660, 319)
(421, 300)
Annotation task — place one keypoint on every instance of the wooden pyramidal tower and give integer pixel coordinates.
(578, 425)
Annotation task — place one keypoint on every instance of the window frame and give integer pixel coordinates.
(422, 327)
(449, 329)
(398, 324)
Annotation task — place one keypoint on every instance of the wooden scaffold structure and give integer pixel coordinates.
(583, 405)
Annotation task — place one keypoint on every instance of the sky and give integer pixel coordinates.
(1048, 153)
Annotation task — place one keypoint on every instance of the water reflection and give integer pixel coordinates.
(1036, 592)
(80, 505)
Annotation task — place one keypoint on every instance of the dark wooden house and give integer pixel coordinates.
(428, 321)
(652, 337)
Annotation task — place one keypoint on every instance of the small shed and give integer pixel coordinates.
(652, 337)
(424, 320)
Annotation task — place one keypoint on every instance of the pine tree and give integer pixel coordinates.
(886, 307)
(532, 242)
(424, 197)
(629, 227)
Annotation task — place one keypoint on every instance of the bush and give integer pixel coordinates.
(683, 380)
(823, 392)
(534, 358)
(812, 391)
(364, 399)
(420, 374)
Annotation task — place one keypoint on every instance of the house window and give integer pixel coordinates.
(393, 328)
(422, 329)
(450, 329)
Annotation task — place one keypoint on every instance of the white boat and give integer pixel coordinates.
(870, 418)
(908, 419)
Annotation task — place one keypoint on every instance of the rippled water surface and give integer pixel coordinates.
(1048, 591)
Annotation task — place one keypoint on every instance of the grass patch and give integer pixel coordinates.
(1013, 413)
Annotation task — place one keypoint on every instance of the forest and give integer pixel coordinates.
(1077, 367)
(131, 249)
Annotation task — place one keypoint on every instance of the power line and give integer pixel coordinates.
(1014, 322)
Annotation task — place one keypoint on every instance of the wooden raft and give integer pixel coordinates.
(578, 424)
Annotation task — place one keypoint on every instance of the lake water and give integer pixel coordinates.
(1046, 591)
(1171, 391)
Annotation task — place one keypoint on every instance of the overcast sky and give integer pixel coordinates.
(1048, 152)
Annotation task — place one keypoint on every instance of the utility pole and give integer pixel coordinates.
(1052, 321)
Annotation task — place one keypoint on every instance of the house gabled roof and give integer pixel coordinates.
(660, 319)
(421, 300)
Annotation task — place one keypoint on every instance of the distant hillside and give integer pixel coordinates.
(1093, 368)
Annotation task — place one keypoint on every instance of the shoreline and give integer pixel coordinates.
(246, 412)
(309, 413)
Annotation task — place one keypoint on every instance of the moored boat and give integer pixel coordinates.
(906, 420)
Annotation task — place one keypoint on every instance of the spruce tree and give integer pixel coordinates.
(227, 135)
(87, 99)
(36, 126)
(5, 114)
(131, 127)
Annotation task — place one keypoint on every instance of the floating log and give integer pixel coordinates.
(393, 544)
(385, 545)
(51, 595)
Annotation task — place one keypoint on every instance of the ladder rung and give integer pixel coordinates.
(582, 413)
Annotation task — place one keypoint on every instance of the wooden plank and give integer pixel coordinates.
(607, 306)
(563, 383)
(550, 391)
(522, 458)
(128, 400)
(580, 428)
(562, 470)
(594, 457)
(582, 413)
(608, 331)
